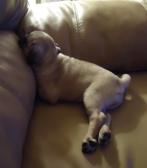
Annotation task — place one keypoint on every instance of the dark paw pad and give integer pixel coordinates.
(89, 146)
(104, 140)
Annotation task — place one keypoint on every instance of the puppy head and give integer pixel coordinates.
(41, 48)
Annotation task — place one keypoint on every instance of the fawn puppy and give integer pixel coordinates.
(61, 77)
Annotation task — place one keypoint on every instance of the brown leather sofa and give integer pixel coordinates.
(112, 34)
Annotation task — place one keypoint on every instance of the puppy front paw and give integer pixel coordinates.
(89, 146)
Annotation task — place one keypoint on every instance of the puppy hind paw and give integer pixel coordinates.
(89, 146)
(104, 139)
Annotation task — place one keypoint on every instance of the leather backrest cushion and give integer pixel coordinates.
(112, 34)
(17, 90)
(11, 12)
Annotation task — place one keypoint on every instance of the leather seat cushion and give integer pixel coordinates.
(56, 132)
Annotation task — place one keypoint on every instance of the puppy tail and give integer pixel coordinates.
(125, 81)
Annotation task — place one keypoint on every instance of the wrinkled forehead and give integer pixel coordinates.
(45, 36)
(41, 35)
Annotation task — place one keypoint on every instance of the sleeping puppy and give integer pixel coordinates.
(61, 77)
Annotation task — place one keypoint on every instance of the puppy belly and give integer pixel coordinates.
(73, 92)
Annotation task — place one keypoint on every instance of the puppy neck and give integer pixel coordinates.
(47, 62)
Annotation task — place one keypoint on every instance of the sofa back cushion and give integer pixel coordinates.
(11, 12)
(112, 34)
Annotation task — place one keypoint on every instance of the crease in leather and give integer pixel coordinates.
(77, 35)
(8, 87)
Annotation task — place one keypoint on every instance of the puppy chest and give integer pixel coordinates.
(48, 91)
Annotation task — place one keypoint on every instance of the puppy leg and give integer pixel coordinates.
(125, 81)
(96, 119)
(89, 144)
(105, 132)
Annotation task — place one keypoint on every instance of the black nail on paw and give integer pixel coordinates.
(89, 147)
(107, 136)
(104, 140)
(93, 143)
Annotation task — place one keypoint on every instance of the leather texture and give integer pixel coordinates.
(112, 34)
(17, 91)
(11, 11)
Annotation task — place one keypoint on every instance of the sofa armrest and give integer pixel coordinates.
(17, 90)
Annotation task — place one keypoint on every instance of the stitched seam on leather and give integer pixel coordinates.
(76, 24)
(76, 18)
